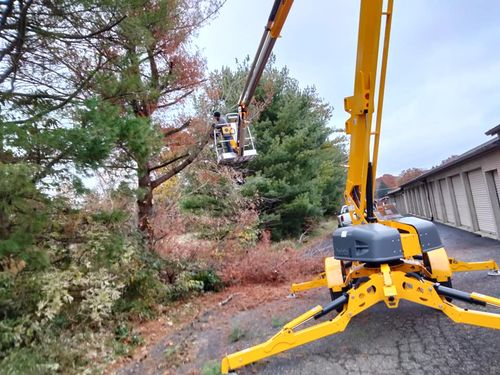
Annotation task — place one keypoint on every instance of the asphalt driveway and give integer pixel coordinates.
(409, 340)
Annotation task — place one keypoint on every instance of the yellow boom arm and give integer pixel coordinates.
(360, 106)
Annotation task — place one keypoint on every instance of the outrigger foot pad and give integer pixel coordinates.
(494, 273)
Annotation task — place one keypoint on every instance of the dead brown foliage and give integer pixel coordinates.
(262, 264)
(227, 243)
(268, 263)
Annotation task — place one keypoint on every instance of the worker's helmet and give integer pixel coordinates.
(217, 114)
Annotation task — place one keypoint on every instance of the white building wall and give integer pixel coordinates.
(438, 200)
(482, 203)
(464, 219)
(465, 195)
(448, 201)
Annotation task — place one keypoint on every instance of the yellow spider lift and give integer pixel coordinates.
(375, 260)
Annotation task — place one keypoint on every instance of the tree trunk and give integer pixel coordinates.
(145, 206)
(4, 225)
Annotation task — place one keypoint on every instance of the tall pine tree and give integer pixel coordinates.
(151, 70)
(298, 173)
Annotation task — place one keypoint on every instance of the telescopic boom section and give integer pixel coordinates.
(360, 106)
(272, 31)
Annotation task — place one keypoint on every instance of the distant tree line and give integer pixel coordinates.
(388, 182)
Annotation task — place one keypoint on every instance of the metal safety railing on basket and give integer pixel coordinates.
(223, 149)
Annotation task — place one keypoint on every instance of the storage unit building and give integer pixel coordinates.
(463, 192)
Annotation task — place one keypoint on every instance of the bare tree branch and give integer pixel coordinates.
(177, 100)
(16, 45)
(48, 167)
(7, 11)
(64, 102)
(167, 163)
(192, 156)
(168, 133)
(154, 69)
(182, 87)
(43, 32)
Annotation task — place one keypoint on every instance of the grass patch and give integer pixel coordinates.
(175, 353)
(211, 368)
(236, 334)
(278, 321)
(171, 352)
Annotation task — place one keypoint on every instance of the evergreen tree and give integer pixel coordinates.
(298, 173)
(91, 83)
(46, 69)
(151, 70)
(48, 61)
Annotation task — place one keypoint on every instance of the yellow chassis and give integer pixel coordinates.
(412, 279)
(388, 284)
(455, 266)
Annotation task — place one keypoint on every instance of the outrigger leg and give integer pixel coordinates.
(455, 266)
(318, 282)
(387, 286)
(487, 265)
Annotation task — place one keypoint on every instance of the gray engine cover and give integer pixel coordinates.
(367, 243)
(427, 232)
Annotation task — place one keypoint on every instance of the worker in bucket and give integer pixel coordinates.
(225, 129)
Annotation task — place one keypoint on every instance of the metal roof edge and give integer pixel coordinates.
(476, 151)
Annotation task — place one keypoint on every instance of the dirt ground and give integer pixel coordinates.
(409, 340)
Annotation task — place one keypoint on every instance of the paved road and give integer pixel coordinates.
(409, 340)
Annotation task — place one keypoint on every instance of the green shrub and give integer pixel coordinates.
(211, 281)
(23, 215)
(200, 202)
(135, 309)
(111, 217)
(27, 361)
(143, 291)
(184, 286)
(99, 275)
(125, 340)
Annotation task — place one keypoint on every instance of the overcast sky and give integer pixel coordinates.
(443, 79)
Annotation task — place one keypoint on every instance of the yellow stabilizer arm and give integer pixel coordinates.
(289, 338)
(318, 282)
(387, 286)
(459, 266)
